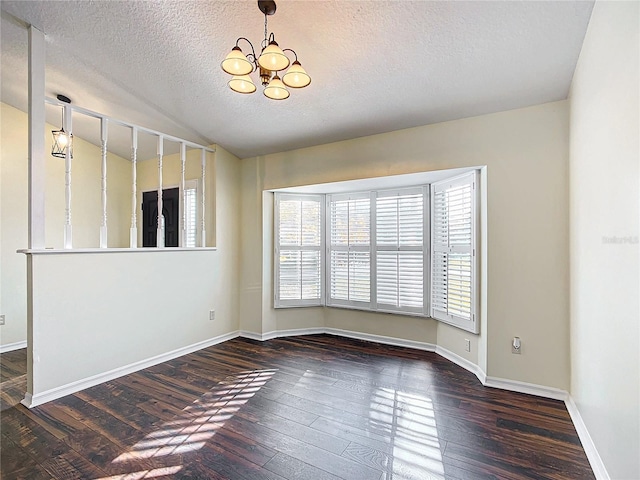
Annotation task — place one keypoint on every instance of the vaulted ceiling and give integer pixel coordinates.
(376, 66)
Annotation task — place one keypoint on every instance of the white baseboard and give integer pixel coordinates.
(597, 465)
(369, 337)
(528, 388)
(31, 401)
(10, 347)
(462, 362)
(281, 333)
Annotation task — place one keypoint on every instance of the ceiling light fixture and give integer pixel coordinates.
(272, 60)
(61, 139)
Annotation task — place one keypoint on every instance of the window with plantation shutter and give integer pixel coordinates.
(191, 213)
(349, 237)
(408, 250)
(299, 250)
(400, 250)
(453, 236)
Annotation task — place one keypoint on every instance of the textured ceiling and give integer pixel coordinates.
(376, 66)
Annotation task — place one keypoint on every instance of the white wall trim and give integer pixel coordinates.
(462, 362)
(282, 333)
(528, 388)
(31, 401)
(10, 347)
(599, 470)
(369, 337)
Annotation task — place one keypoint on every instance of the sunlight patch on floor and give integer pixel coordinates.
(409, 421)
(155, 473)
(198, 422)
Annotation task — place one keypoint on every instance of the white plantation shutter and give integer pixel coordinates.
(191, 216)
(298, 253)
(453, 236)
(400, 250)
(349, 223)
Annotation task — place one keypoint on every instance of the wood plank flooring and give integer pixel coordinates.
(315, 407)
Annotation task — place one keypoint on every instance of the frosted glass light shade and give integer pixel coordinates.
(273, 58)
(236, 63)
(242, 84)
(296, 77)
(276, 89)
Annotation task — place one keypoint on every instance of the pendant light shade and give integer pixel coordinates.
(242, 84)
(296, 76)
(236, 63)
(273, 58)
(276, 89)
(61, 141)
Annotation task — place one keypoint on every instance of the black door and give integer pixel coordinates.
(171, 213)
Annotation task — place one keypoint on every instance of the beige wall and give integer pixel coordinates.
(604, 169)
(526, 152)
(86, 209)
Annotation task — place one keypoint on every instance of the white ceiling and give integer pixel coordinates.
(376, 66)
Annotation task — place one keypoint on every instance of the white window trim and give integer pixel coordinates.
(286, 303)
(331, 302)
(472, 324)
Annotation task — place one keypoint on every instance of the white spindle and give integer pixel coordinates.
(203, 241)
(37, 169)
(183, 220)
(160, 232)
(104, 128)
(133, 231)
(68, 239)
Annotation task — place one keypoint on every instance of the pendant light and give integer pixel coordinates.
(61, 139)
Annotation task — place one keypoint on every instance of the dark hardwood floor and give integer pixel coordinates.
(305, 408)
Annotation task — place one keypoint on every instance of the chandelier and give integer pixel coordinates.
(271, 60)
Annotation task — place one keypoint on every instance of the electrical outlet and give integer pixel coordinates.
(467, 344)
(516, 346)
(1, 319)
(212, 314)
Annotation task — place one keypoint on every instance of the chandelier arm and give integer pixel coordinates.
(292, 51)
(254, 57)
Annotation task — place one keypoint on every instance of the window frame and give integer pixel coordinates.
(471, 324)
(335, 302)
(293, 303)
(326, 195)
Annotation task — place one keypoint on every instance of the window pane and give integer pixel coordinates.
(400, 220)
(459, 284)
(290, 273)
(359, 222)
(190, 209)
(290, 222)
(340, 222)
(400, 279)
(359, 276)
(311, 275)
(339, 275)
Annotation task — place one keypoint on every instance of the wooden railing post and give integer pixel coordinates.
(68, 237)
(133, 231)
(160, 232)
(104, 126)
(203, 240)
